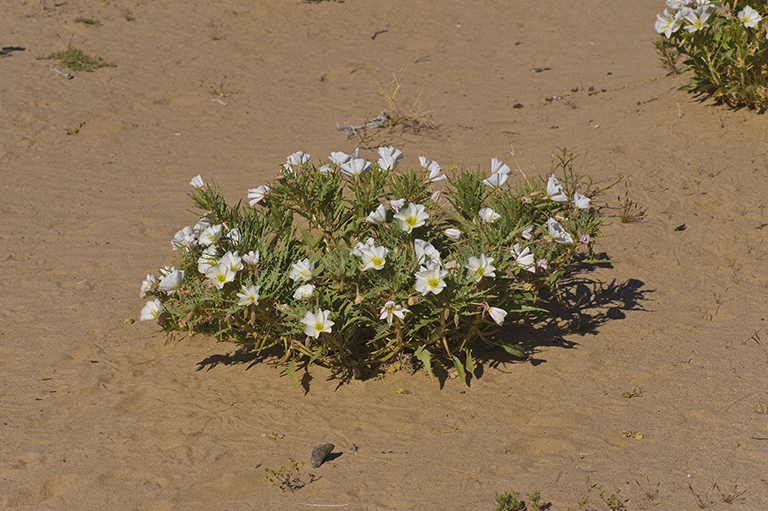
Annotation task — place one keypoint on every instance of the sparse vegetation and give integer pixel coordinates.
(76, 60)
(288, 479)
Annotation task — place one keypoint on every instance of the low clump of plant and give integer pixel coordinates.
(509, 501)
(355, 264)
(76, 60)
(288, 478)
(724, 45)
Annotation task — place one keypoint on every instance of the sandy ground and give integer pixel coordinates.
(98, 413)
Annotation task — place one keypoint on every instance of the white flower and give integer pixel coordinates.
(171, 282)
(209, 258)
(326, 169)
(304, 292)
(220, 274)
(297, 158)
(426, 254)
(432, 168)
(355, 167)
(667, 23)
(151, 310)
(581, 201)
(197, 181)
(524, 258)
(499, 174)
(496, 180)
(390, 310)
(527, 232)
(555, 190)
(676, 4)
(697, 18)
(436, 196)
(542, 263)
(497, 315)
(234, 235)
(185, 238)
(477, 268)
(233, 260)
(488, 215)
(358, 250)
(338, 158)
(251, 258)
(397, 205)
(257, 194)
(389, 157)
(430, 281)
(557, 232)
(202, 224)
(374, 257)
(211, 235)
(452, 233)
(377, 217)
(317, 323)
(749, 17)
(249, 296)
(412, 217)
(149, 285)
(302, 271)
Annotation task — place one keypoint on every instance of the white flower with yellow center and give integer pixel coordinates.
(388, 158)
(555, 190)
(211, 235)
(256, 195)
(377, 217)
(209, 257)
(430, 281)
(317, 323)
(390, 310)
(304, 292)
(488, 216)
(234, 261)
(151, 310)
(251, 258)
(374, 257)
(197, 181)
(185, 238)
(249, 296)
(557, 232)
(412, 217)
(149, 285)
(749, 17)
(524, 258)
(477, 268)
(302, 271)
(171, 282)
(220, 275)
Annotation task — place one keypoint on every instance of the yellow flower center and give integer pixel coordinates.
(221, 277)
(411, 221)
(319, 327)
(377, 261)
(433, 282)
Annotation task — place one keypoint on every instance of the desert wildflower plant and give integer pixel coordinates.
(352, 264)
(724, 46)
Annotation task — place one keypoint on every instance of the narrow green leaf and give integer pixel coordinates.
(292, 372)
(423, 355)
(470, 364)
(459, 368)
(514, 349)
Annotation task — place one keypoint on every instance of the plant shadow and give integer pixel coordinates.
(583, 305)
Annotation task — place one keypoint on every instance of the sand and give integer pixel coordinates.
(99, 413)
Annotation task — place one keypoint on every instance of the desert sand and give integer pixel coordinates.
(98, 412)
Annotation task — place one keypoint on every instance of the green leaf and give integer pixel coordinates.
(292, 372)
(459, 368)
(470, 364)
(314, 356)
(311, 241)
(423, 355)
(514, 349)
